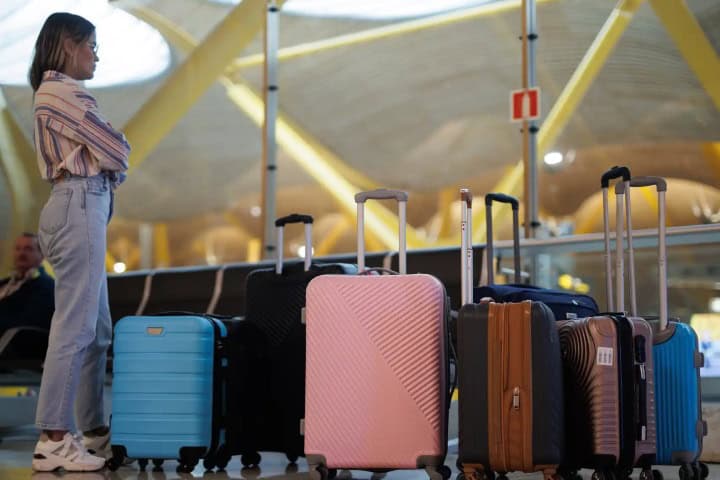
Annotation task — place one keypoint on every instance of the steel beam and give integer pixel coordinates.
(378, 219)
(157, 117)
(341, 181)
(399, 28)
(692, 42)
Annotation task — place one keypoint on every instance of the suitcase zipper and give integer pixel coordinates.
(516, 398)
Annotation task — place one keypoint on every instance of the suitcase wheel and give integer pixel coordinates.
(647, 474)
(209, 462)
(694, 471)
(476, 475)
(184, 468)
(441, 472)
(320, 472)
(251, 459)
(657, 475)
(292, 457)
(113, 464)
(157, 464)
(603, 475)
(569, 475)
(445, 471)
(222, 458)
(142, 463)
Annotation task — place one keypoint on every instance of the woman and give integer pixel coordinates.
(84, 159)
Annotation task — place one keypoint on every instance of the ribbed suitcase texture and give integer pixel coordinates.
(482, 356)
(271, 421)
(607, 398)
(164, 386)
(376, 387)
(677, 389)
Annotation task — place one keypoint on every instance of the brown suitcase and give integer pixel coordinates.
(610, 411)
(609, 380)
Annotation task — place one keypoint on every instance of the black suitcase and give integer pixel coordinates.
(511, 399)
(266, 388)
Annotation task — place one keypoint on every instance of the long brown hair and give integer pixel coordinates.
(49, 54)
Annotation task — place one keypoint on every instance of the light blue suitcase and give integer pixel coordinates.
(167, 389)
(677, 361)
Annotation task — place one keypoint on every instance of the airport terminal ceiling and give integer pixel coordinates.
(425, 110)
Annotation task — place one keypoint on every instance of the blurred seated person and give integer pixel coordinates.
(27, 296)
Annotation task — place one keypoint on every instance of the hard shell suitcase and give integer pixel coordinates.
(609, 378)
(268, 419)
(168, 376)
(377, 391)
(563, 304)
(511, 399)
(677, 362)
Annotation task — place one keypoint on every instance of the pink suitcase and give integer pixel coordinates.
(376, 381)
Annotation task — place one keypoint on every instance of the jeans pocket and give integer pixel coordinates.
(54, 215)
(97, 185)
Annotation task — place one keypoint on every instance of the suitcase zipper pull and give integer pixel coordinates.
(516, 398)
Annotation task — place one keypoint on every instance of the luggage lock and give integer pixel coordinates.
(516, 398)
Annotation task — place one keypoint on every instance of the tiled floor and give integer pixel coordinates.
(17, 445)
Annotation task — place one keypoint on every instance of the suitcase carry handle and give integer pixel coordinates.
(661, 187)
(466, 251)
(503, 198)
(293, 218)
(613, 173)
(382, 194)
(280, 223)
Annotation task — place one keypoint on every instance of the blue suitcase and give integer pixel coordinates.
(677, 360)
(167, 389)
(563, 304)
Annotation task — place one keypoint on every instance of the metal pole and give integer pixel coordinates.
(530, 128)
(270, 93)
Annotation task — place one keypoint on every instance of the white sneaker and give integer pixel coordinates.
(98, 445)
(68, 453)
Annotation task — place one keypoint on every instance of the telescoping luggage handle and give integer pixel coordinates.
(280, 224)
(661, 187)
(501, 197)
(613, 173)
(466, 251)
(382, 194)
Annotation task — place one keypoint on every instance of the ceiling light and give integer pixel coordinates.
(130, 50)
(119, 267)
(255, 211)
(715, 305)
(301, 251)
(553, 158)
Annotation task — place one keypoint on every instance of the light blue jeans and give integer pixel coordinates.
(73, 230)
